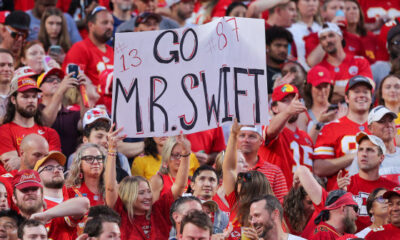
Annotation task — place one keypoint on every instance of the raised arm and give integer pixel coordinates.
(111, 185)
(259, 6)
(310, 185)
(230, 160)
(183, 171)
(328, 167)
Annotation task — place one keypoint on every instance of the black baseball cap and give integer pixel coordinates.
(143, 17)
(356, 80)
(18, 20)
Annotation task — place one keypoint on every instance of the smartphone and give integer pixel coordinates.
(73, 68)
(55, 50)
(46, 60)
(332, 107)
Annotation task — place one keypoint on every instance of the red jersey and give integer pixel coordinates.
(61, 228)
(155, 228)
(90, 59)
(325, 231)
(168, 181)
(232, 201)
(309, 228)
(84, 191)
(371, 48)
(386, 232)
(353, 45)
(11, 135)
(336, 139)
(375, 8)
(361, 188)
(350, 66)
(287, 151)
(209, 141)
(275, 177)
(221, 204)
(50, 203)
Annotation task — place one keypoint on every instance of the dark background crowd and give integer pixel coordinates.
(326, 166)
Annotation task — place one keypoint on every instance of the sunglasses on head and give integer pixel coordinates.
(244, 176)
(16, 34)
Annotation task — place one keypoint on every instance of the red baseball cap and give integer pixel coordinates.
(282, 91)
(23, 84)
(318, 75)
(389, 194)
(3, 15)
(26, 178)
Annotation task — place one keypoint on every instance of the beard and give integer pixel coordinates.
(30, 209)
(331, 50)
(28, 112)
(267, 226)
(293, 118)
(103, 38)
(349, 225)
(277, 60)
(54, 184)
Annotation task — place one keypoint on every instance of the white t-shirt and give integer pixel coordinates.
(294, 237)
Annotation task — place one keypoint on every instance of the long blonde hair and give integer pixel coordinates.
(128, 192)
(75, 178)
(166, 154)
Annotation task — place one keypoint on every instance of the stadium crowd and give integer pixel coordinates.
(326, 166)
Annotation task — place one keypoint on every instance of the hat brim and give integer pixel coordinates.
(57, 156)
(389, 194)
(28, 184)
(26, 88)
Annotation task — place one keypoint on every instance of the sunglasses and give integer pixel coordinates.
(380, 199)
(244, 176)
(52, 79)
(355, 207)
(15, 34)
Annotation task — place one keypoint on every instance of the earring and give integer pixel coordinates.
(372, 219)
(81, 175)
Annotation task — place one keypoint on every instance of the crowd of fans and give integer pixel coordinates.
(326, 166)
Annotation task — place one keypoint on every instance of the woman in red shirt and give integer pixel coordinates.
(86, 174)
(143, 217)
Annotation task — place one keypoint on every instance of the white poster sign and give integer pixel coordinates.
(190, 79)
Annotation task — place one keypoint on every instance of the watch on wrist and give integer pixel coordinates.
(319, 125)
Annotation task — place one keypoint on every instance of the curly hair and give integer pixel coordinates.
(257, 186)
(293, 208)
(74, 179)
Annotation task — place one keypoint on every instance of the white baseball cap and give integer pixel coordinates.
(95, 114)
(378, 112)
(330, 27)
(374, 139)
(256, 129)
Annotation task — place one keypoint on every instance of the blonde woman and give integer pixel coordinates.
(170, 162)
(85, 177)
(143, 217)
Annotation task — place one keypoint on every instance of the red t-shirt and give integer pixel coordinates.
(287, 151)
(325, 231)
(382, 39)
(84, 191)
(209, 141)
(50, 203)
(372, 50)
(155, 228)
(61, 228)
(361, 188)
(387, 232)
(221, 204)
(275, 177)
(90, 59)
(350, 67)
(336, 139)
(375, 8)
(168, 181)
(236, 232)
(11, 135)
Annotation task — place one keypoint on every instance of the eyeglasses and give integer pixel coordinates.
(15, 34)
(176, 156)
(90, 158)
(52, 79)
(51, 168)
(380, 199)
(355, 207)
(244, 176)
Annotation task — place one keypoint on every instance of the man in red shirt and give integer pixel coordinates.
(341, 65)
(337, 218)
(392, 230)
(336, 144)
(286, 145)
(61, 220)
(92, 54)
(249, 141)
(370, 154)
(23, 118)
(50, 169)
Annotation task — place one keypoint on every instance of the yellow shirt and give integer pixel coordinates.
(147, 166)
(397, 122)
